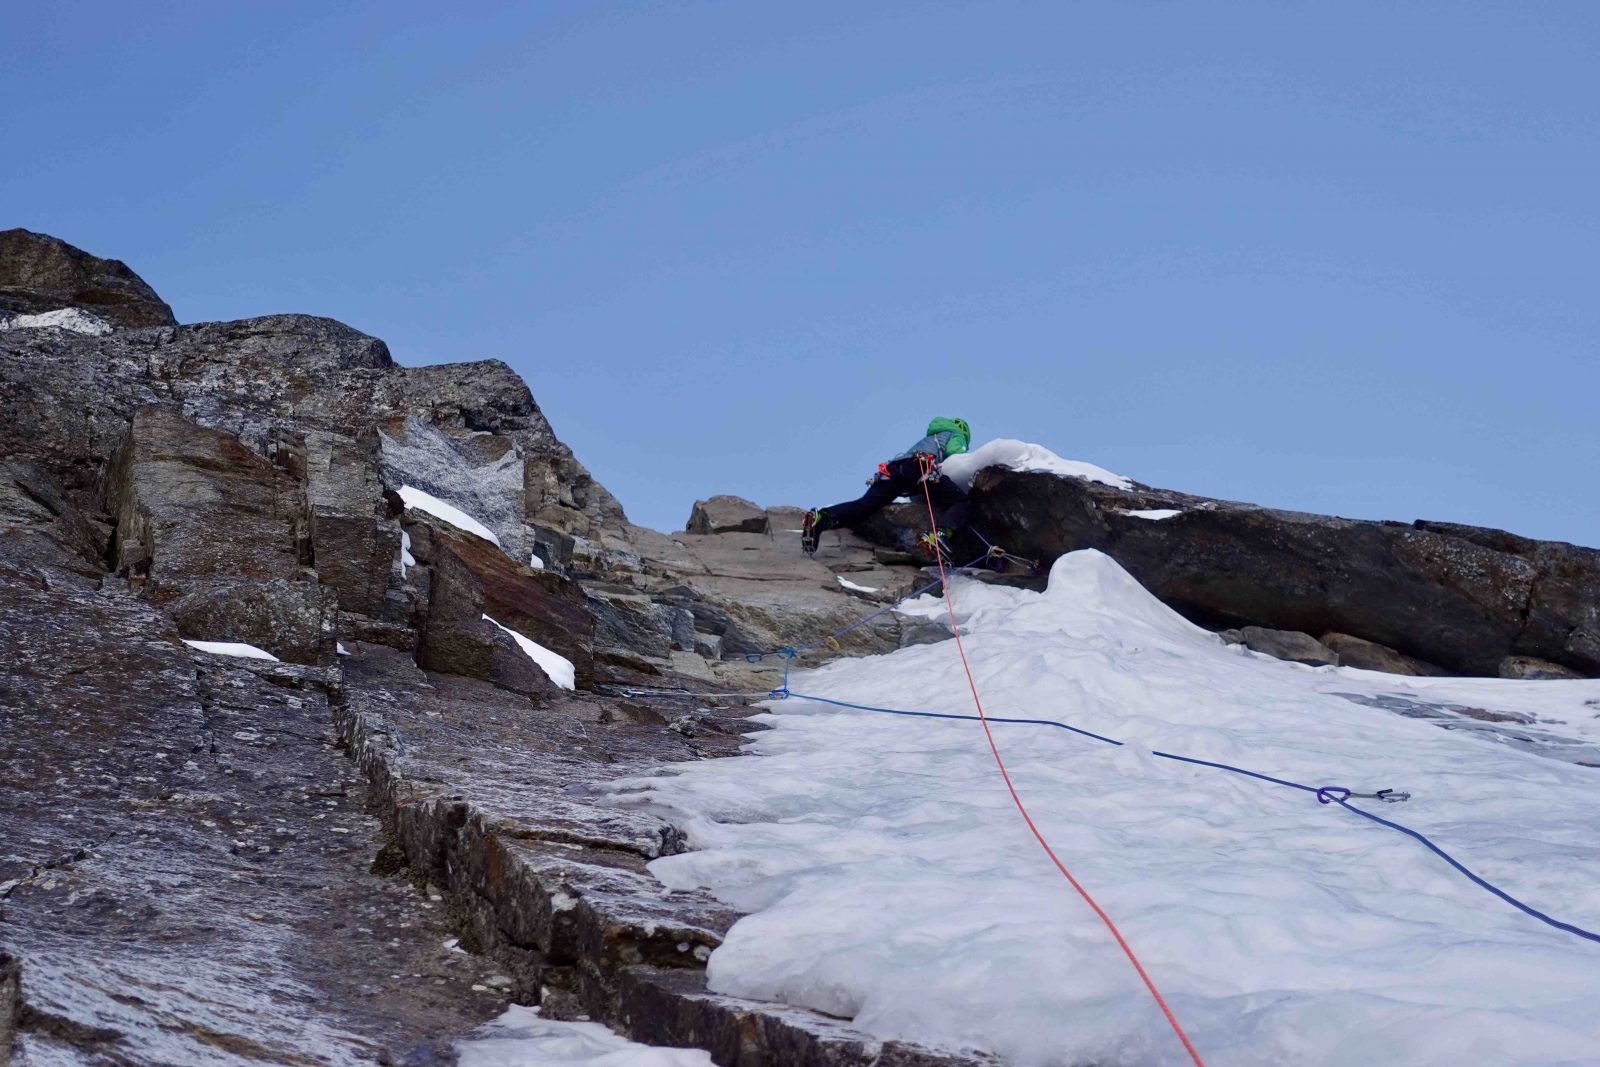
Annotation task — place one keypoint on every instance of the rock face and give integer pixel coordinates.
(1460, 597)
(39, 273)
(188, 869)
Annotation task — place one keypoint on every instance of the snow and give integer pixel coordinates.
(231, 648)
(535, 562)
(888, 878)
(853, 587)
(520, 1038)
(339, 649)
(407, 560)
(1154, 514)
(557, 667)
(416, 498)
(75, 320)
(1021, 456)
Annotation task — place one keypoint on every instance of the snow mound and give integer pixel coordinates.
(521, 1038)
(888, 878)
(557, 668)
(416, 498)
(231, 648)
(74, 320)
(1021, 456)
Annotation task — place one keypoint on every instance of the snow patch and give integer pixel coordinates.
(416, 498)
(535, 562)
(848, 584)
(521, 1038)
(556, 666)
(231, 648)
(1154, 514)
(886, 877)
(74, 320)
(1022, 456)
(407, 561)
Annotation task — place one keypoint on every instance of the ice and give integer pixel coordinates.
(1154, 514)
(889, 880)
(853, 587)
(521, 1038)
(75, 320)
(557, 667)
(416, 498)
(1022, 456)
(231, 648)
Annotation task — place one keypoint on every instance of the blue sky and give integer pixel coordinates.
(1335, 257)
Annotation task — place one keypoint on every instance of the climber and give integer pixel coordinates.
(903, 476)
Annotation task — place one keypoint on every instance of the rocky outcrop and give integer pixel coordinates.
(41, 527)
(471, 579)
(1460, 597)
(727, 514)
(213, 532)
(188, 892)
(1288, 645)
(66, 401)
(1535, 669)
(39, 273)
(1371, 656)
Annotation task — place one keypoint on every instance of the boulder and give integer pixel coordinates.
(470, 579)
(1532, 668)
(1371, 656)
(727, 514)
(213, 532)
(39, 273)
(1291, 645)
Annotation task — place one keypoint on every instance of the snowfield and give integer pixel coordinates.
(889, 879)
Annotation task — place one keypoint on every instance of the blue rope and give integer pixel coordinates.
(1324, 794)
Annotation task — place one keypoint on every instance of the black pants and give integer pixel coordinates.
(905, 479)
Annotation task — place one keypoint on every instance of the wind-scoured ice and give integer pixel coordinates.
(890, 880)
(416, 498)
(1022, 456)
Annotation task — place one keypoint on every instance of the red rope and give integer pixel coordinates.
(950, 608)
